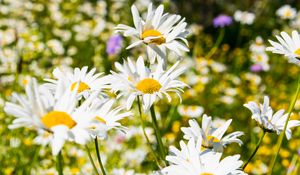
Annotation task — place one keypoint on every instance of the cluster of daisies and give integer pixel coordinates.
(77, 106)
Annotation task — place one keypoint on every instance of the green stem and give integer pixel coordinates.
(99, 157)
(145, 134)
(59, 163)
(91, 160)
(216, 45)
(255, 150)
(169, 117)
(33, 160)
(280, 139)
(157, 133)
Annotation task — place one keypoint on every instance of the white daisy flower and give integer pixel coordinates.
(261, 59)
(263, 114)
(286, 12)
(89, 81)
(212, 137)
(158, 32)
(258, 46)
(191, 161)
(105, 117)
(135, 79)
(192, 111)
(287, 46)
(244, 17)
(39, 109)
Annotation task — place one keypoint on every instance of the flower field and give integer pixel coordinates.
(140, 87)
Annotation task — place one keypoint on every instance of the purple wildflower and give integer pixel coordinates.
(256, 68)
(222, 21)
(114, 45)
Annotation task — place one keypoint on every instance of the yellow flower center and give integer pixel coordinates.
(193, 108)
(208, 142)
(206, 174)
(55, 118)
(213, 139)
(148, 86)
(297, 52)
(100, 119)
(82, 87)
(288, 13)
(259, 58)
(154, 33)
(24, 82)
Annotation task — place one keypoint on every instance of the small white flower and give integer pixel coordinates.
(105, 118)
(258, 46)
(212, 137)
(135, 79)
(192, 111)
(56, 46)
(191, 161)
(286, 12)
(88, 81)
(158, 32)
(287, 46)
(244, 17)
(263, 114)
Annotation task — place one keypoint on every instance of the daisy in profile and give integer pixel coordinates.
(212, 137)
(288, 46)
(269, 121)
(135, 79)
(58, 117)
(105, 117)
(159, 32)
(88, 81)
(191, 161)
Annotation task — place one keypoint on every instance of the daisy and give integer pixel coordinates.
(286, 12)
(192, 111)
(258, 46)
(191, 161)
(212, 137)
(287, 46)
(158, 32)
(261, 59)
(59, 117)
(105, 117)
(263, 114)
(135, 79)
(89, 81)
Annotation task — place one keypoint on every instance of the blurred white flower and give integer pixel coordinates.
(258, 46)
(56, 46)
(192, 111)
(286, 12)
(14, 142)
(7, 36)
(244, 17)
